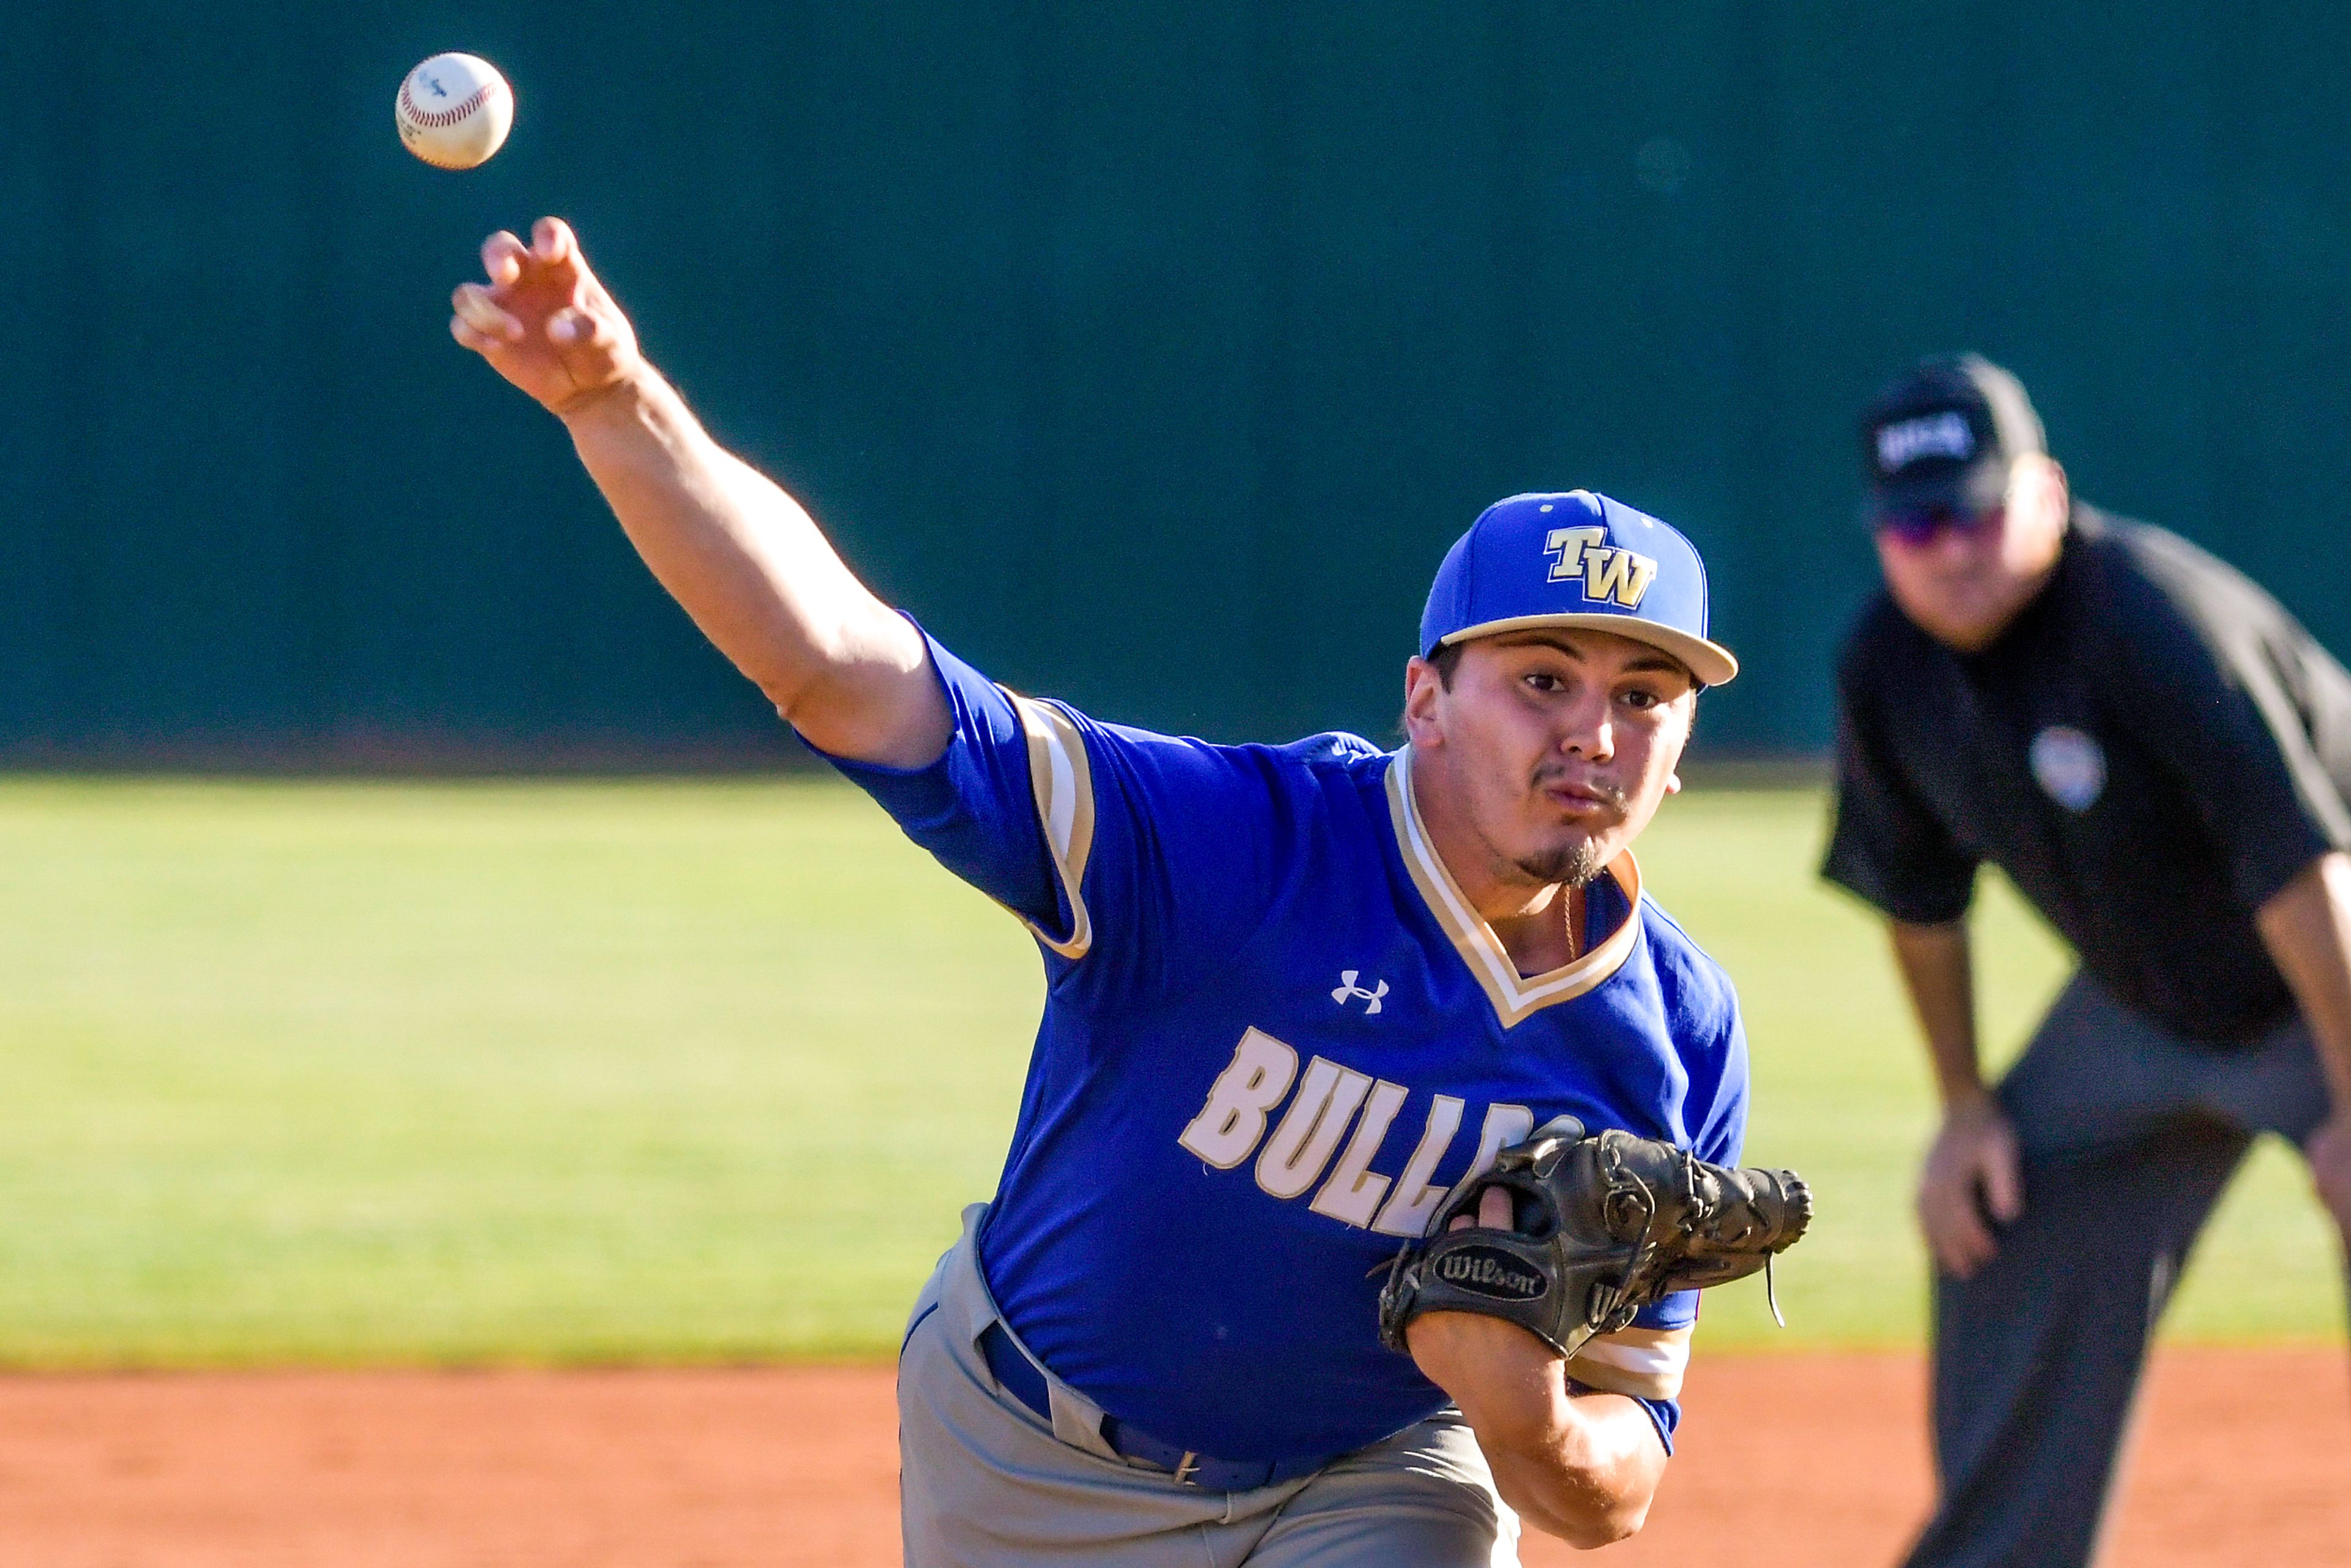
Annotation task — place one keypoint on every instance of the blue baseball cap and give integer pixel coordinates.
(1578, 559)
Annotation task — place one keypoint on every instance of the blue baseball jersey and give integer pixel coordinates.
(1275, 1035)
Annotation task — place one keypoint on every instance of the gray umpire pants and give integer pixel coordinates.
(2129, 1135)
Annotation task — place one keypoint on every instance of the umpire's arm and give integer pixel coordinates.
(2232, 707)
(2306, 927)
(742, 556)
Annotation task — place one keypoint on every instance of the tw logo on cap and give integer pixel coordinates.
(1944, 435)
(1609, 571)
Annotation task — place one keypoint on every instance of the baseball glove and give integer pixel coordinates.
(1602, 1227)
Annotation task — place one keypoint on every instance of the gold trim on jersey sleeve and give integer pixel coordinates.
(1061, 776)
(1646, 1364)
(1515, 995)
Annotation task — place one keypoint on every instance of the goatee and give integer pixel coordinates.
(1573, 866)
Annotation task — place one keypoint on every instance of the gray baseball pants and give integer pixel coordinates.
(984, 1482)
(2129, 1135)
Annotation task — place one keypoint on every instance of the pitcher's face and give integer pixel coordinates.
(1556, 745)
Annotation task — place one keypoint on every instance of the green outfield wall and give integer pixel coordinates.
(1150, 355)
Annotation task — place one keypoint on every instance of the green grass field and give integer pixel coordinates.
(585, 1073)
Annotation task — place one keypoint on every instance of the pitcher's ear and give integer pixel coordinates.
(1421, 686)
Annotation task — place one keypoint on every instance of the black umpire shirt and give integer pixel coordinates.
(2149, 752)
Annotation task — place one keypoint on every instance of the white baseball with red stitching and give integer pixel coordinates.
(455, 111)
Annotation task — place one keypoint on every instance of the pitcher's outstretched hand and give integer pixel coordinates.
(543, 321)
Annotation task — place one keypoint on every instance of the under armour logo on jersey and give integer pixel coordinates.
(1347, 991)
(1609, 571)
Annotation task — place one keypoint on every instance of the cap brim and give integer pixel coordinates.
(1711, 662)
(1977, 487)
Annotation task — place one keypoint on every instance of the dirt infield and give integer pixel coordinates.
(2243, 1456)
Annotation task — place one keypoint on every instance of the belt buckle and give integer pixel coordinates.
(1186, 1467)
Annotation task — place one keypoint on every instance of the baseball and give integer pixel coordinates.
(454, 111)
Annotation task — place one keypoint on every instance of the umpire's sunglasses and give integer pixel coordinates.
(1917, 525)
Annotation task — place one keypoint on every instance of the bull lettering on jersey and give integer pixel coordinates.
(1609, 571)
(1414, 1202)
(1505, 1126)
(1227, 1130)
(1354, 1190)
(1302, 1144)
(1240, 1104)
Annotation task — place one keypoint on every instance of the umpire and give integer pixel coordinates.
(2159, 757)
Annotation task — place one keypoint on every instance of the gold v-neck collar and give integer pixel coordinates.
(1515, 995)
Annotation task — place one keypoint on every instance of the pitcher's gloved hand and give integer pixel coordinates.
(1601, 1226)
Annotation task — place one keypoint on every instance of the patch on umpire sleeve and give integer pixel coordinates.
(1061, 778)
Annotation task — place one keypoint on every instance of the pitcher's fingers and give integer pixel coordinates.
(470, 339)
(577, 328)
(502, 257)
(1494, 1208)
(474, 307)
(552, 241)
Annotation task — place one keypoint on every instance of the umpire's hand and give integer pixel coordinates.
(1973, 1178)
(2329, 1153)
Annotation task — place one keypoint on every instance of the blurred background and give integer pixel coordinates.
(1151, 355)
(418, 948)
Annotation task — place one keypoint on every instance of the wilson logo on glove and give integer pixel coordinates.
(1490, 1271)
(1607, 1223)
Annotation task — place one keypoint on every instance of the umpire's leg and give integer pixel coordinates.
(2037, 1357)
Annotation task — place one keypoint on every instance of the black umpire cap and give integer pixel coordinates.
(1945, 432)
